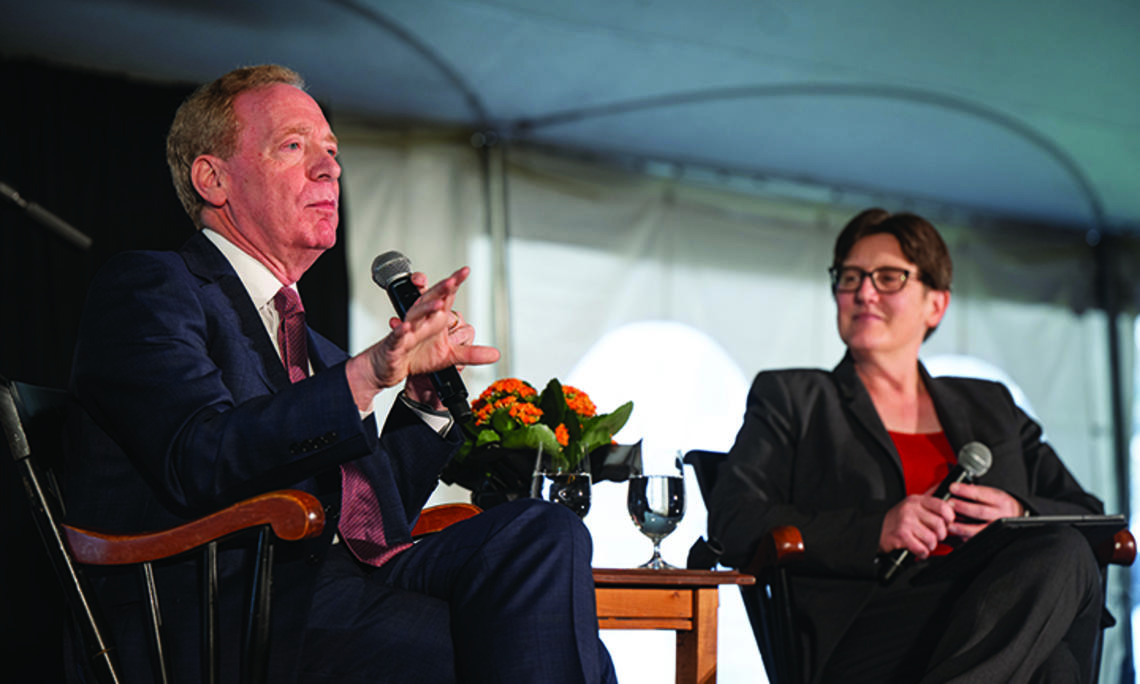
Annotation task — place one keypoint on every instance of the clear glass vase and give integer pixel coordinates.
(562, 480)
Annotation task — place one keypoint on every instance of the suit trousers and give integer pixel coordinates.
(1030, 613)
(504, 597)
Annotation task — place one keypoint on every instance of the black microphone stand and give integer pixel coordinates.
(47, 219)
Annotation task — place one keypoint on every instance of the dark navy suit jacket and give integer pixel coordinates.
(813, 453)
(189, 408)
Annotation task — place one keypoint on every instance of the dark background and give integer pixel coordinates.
(90, 148)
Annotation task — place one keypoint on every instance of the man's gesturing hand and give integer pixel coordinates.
(421, 343)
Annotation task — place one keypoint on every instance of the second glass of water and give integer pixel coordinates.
(656, 504)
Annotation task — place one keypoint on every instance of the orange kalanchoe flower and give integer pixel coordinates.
(578, 402)
(506, 401)
(506, 393)
(507, 386)
(527, 414)
(561, 434)
(484, 409)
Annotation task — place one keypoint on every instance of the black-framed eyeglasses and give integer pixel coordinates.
(885, 280)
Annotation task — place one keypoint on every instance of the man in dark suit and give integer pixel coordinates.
(203, 386)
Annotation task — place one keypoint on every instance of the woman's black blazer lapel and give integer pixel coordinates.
(857, 402)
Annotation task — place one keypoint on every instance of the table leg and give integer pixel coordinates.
(696, 648)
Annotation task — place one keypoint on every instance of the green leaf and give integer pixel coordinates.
(553, 404)
(530, 437)
(502, 422)
(610, 422)
(485, 437)
(600, 430)
(573, 426)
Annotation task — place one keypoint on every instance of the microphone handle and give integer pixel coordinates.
(958, 474)
(895, 561)
(899, 556)
(447, 383)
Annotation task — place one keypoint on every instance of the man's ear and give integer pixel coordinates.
(208, 177)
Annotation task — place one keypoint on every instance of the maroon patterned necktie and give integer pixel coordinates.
(291, 333)
(361, 523)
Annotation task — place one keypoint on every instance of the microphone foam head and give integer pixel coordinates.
(975, 458)
(390, 266)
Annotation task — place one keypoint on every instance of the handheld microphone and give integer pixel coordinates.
(974, 459)
(393, 272)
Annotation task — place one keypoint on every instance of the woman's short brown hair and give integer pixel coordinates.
(920, 242)
(206, 124)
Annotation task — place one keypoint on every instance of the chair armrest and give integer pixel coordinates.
(780, 546)
(435, 518)
(292, 514)
(1120, 550)
(783, 545)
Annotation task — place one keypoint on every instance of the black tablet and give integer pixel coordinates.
(1096, 528)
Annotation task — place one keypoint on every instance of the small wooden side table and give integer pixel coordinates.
(681, 600)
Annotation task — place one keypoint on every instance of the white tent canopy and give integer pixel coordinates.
(1014, 109)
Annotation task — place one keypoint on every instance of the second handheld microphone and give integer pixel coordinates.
(974, 460)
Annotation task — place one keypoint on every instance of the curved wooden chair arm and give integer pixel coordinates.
(435, 518)
(1120, 550)
(780, 546)
(292, 514)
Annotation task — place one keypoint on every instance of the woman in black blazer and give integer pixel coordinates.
(852, 458)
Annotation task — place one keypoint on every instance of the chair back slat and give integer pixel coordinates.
(706, 465)
(21, 406)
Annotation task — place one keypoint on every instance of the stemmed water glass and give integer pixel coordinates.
(656, 503)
